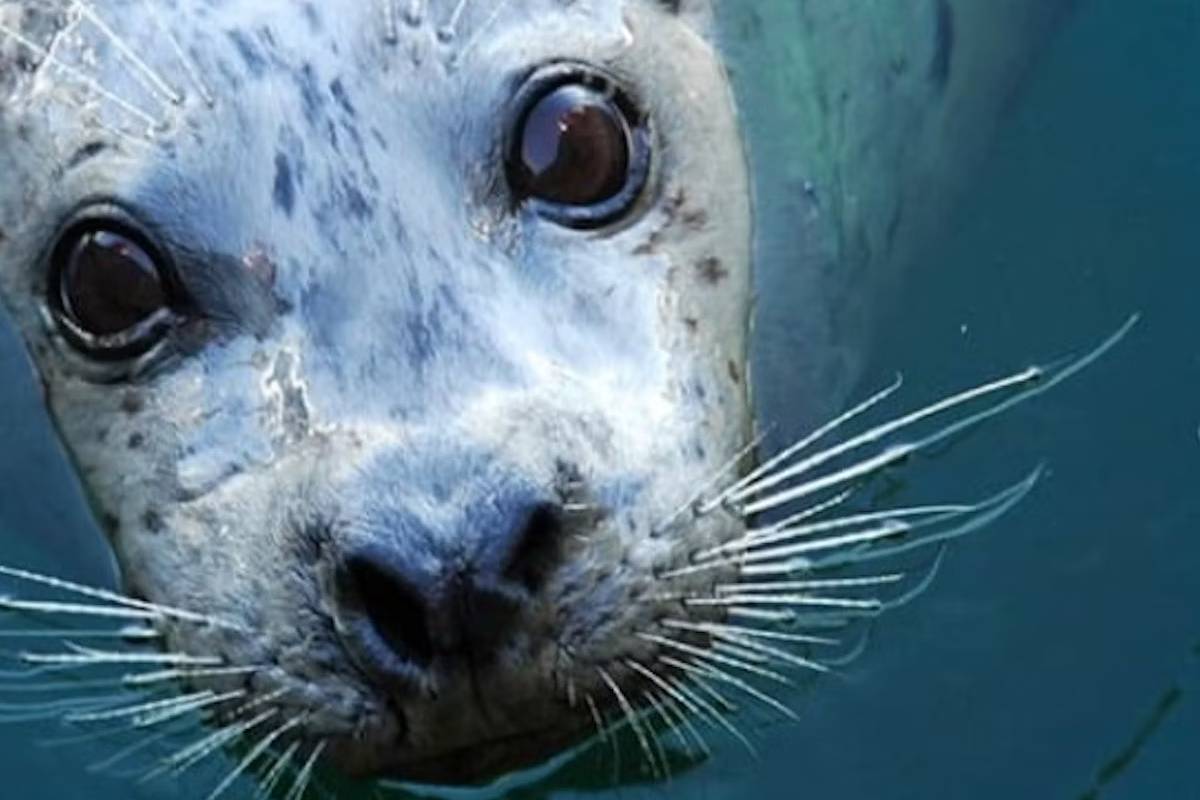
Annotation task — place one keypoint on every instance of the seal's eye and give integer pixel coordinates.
(580, 151)
(109, 291)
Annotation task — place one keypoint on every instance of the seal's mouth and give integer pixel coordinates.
(729, 618)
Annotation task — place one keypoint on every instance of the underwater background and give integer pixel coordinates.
(1057, 655)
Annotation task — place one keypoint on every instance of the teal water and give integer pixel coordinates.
(1058, 653)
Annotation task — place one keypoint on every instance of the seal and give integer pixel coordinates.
(402, 351)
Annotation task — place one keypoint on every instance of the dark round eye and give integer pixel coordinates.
(579, 152)
(110, 291)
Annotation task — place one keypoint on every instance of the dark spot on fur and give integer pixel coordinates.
(88, 151)
(253, 59)
(943, 44)
(110, 523)
(735, 372)
(136, 440)
(338, 90)
(711, 270)
(310, 96)
(152, 520)
(695, 219)
(133, 403)
(692, 323)
(285, 188)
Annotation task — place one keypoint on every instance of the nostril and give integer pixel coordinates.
(537, 548)
(395, 610)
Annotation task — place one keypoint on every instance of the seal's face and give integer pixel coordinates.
(393, 346)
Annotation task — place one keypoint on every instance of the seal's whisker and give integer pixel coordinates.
(304, 777)
(713, 628)
(80, 77)
(1027, 384)
(764, 537)
(711, 712)
(170, 713)
(668, 722)
(670, 689)
(131, 633)
(601, 728)
(738, 651)
(415, 12)
(194, 753)
(692, 734)
(75, 609)
(124, 753)
(869, 606)
(771, 651)
(985, 513)
(168, 675)
(932, 525)
(148, 76)
(259, 702)
(105, 595)
(478, 34)
(717, 658)
(84, 657)
(278, 769)
(138, 710)
(768, 467)
(653, 732)
(632, 717)
(449, 28)
(189, 64)
(701, 671)
(59, 686)
(794, 520)
(805, 586)
(391, 21)
(54, 709)
(256, 752)
(706, 486)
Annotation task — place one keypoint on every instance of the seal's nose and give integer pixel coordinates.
(404, 606)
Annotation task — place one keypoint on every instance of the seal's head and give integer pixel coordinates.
(390, 342)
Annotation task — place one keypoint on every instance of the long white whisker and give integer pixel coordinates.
(807, 586)
(168, 675)
(129, 633)
(79, 77)
(1032, 382)
(631, 716)
(754, 540)
(707, 485)
(712, 712)
(128, 752)
(189, 65)
(156, 81)
(708, 671)
(84, 657)
(255, 753)
(115, 598)
(304, 777)
(791, 600)
(737, 489)
(277, 771)
(743, 631)
(162, 716)
(196, 752)
(707, 655)
(671, 724)
(138, 709)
